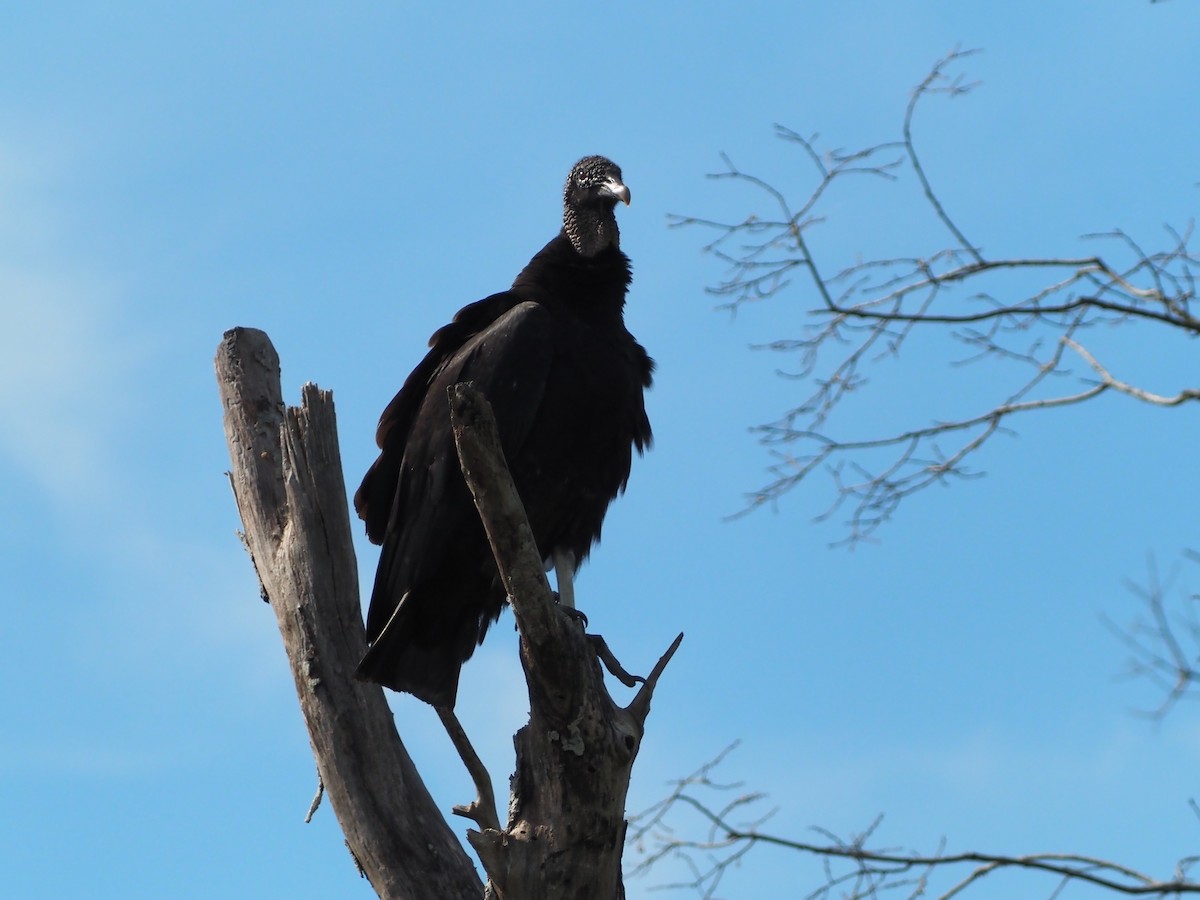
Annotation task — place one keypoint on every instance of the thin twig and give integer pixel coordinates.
(481, 810)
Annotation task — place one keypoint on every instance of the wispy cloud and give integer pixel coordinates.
(66, 355)
(159, 580)
(68, 371)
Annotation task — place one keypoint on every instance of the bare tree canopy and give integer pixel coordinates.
(1046, 326)
(1030, 316)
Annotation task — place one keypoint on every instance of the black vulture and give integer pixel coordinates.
(566, 380)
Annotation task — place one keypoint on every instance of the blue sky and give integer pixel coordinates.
(346, 177)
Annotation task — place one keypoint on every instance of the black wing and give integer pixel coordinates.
(374, 497)
(436, 588)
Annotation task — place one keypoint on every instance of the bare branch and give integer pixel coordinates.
(481, 810)
(1020, 313)
(937, 82)
(854, 868)
(1107, 380)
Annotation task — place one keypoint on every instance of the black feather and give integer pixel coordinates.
(566, 381)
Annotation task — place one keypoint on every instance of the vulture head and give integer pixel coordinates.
(589, 198)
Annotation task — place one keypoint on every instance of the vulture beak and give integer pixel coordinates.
(613, 188)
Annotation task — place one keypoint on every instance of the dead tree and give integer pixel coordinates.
(566, 823)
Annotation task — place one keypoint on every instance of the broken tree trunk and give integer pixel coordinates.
(566, 824)
(287, 478)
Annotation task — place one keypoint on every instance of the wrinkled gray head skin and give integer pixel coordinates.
(589, 198)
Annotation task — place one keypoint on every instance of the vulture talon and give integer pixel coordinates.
(572, 613)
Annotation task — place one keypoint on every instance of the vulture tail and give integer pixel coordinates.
(404, 658)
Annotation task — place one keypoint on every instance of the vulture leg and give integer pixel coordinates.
(564, 574)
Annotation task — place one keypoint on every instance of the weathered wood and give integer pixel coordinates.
(287, 479)
(566, 825)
